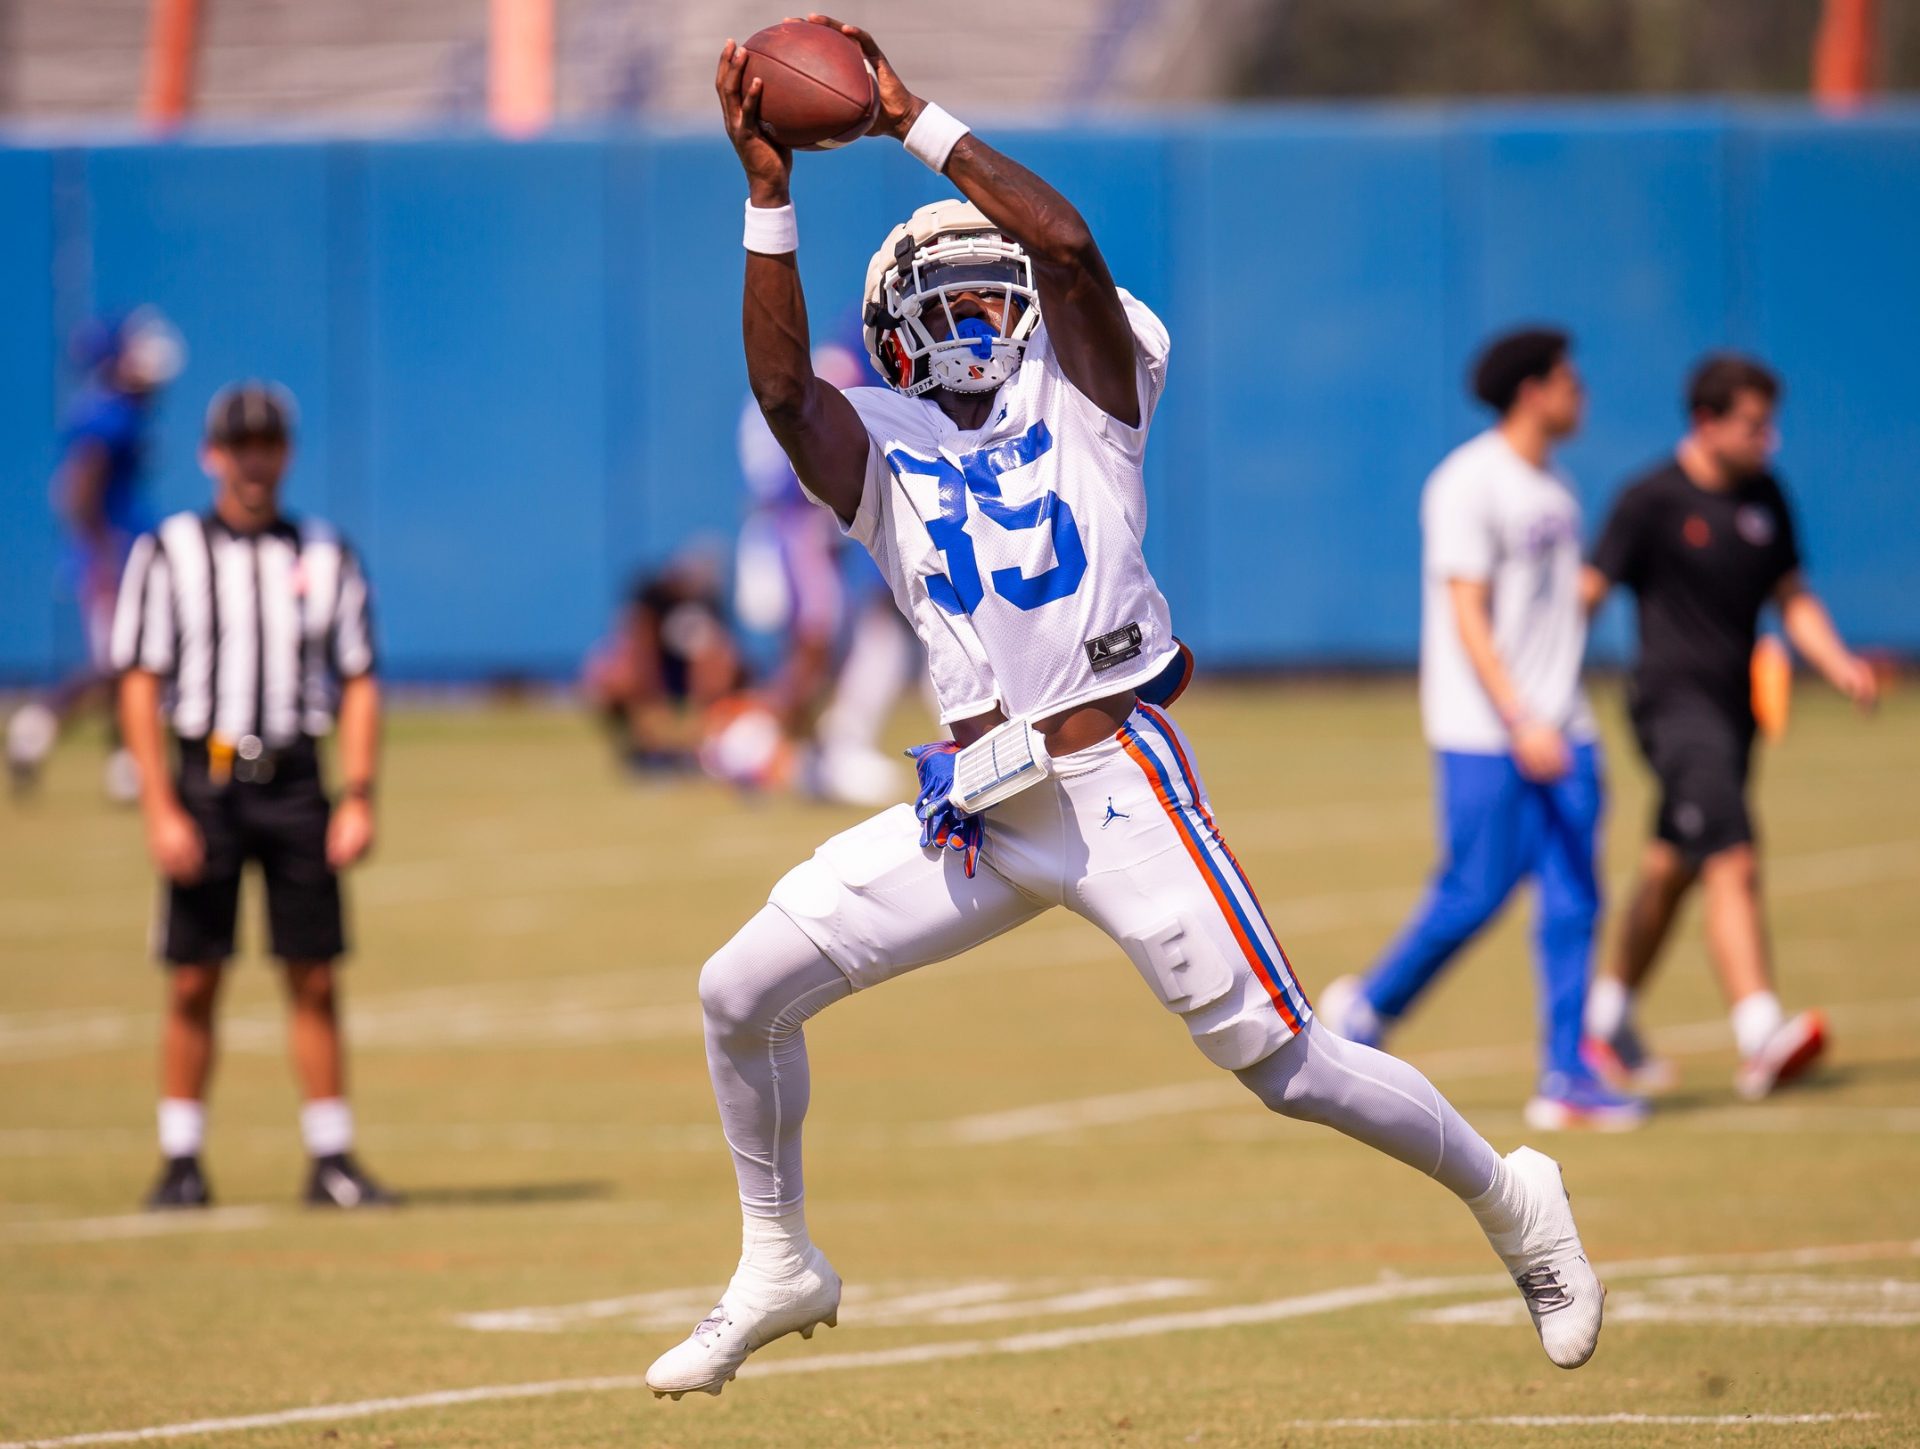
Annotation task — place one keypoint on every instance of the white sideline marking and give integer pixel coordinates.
(137, 1225)
(703, 1138)
(673, 1307)
(1785, 1300)
(877, 1305)
(1693, 1038)
(1585, 1421)
(1047, 1117)
(1235, 1316)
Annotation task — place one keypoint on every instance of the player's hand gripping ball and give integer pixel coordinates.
(943, 823)
(818, 90)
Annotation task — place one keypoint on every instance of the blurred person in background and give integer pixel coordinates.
(847, 654)
(99, 493)
(249, 634)
(1705, 540)
(669, 661)
(1515, 749)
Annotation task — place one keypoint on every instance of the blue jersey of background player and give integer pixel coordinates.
(1515, 748)
(99, 493)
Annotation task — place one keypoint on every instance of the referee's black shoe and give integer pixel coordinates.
(337, 1181)
(182, 1185)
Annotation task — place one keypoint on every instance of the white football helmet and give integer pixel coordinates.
(944, 249)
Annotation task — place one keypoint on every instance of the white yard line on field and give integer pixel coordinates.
(1016, 1124)
(1180, 1098)
(970, 1348)
(1273, 1311)
(950, 1303)
(1590, 1421)
(135, 1225)
(883, 1305)
(585, 1010)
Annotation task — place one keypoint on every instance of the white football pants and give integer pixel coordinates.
(1120, 833)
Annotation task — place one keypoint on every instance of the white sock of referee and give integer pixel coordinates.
(326, 1126)
(183, 1126)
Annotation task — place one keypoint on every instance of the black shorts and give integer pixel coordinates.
(1701, 752)
(282, 825)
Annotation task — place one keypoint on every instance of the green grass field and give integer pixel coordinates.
(1058, 1225)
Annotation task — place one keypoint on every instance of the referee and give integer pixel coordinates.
(250, 632)
(1705, 541)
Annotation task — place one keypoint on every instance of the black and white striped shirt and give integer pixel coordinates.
(253, 632)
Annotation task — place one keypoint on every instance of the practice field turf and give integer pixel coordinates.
(1057, 1224)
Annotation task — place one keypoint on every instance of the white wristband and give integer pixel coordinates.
(933, 136)
(771, 229)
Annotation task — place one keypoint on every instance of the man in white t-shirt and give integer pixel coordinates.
(1501, 638)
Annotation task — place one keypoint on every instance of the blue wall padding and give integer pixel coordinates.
(519, 364)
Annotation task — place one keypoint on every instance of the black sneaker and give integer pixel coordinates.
(338, 1181)
(181, 1185)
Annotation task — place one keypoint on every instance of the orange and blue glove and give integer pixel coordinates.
(942, 823)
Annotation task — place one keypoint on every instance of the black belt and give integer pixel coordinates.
(248, 761)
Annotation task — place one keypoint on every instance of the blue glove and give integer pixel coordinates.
(943, 823)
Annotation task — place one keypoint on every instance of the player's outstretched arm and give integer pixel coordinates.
(1085, 319)
(823, 436)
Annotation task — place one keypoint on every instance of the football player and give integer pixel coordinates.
(100, 493)
(996, 480)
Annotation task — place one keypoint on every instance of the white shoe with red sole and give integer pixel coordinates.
(1624, 1063)
(1794, 1046)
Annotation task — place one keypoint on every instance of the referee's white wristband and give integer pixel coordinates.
(771, 229)
(933, 136)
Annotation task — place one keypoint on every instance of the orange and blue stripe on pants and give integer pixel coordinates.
(1153, 744)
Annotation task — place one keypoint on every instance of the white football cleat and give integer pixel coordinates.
(1529, 1220)
(1794, 1046)
(752, 1313)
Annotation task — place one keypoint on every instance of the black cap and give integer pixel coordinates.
(251, 411)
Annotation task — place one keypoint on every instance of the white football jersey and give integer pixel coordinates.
(1015, 549)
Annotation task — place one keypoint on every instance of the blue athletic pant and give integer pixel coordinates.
(1496, 828)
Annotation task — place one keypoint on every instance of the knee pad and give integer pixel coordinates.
(1227, 1012)
(722, 1003)
(744, 984)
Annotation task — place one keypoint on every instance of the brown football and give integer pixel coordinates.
(819, 90)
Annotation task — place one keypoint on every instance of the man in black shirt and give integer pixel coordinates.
(246, 635)
(1705, 541)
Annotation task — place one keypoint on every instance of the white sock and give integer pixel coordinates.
(1608, 1007)
(1755, 1018)
(774, 1247)
(1501, 1211)
(326, 1126)
(183, 1126)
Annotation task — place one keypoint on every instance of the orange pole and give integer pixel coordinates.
(1846, 53)
(520, 66)
(172, 37)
